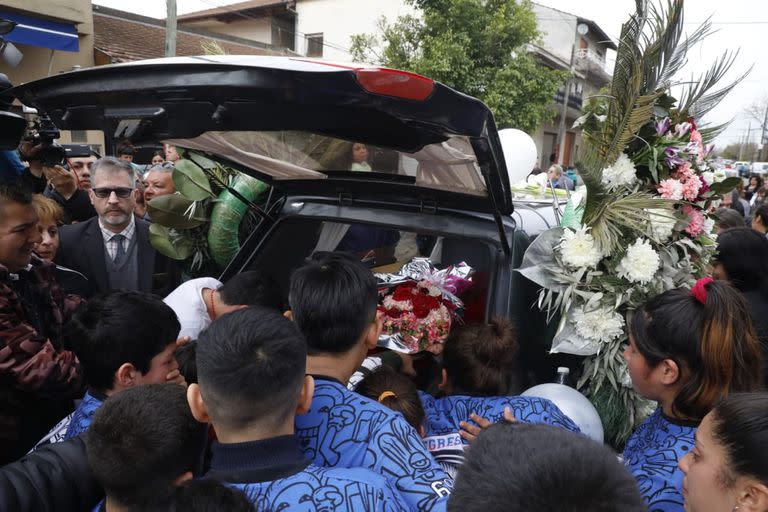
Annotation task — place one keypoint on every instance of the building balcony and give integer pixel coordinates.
(592, 65)
(575, 100)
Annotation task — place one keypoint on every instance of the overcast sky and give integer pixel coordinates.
(740, 25)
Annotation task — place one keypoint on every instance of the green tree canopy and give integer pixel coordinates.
(477, 47)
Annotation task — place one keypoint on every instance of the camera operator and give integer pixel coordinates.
(56, 182)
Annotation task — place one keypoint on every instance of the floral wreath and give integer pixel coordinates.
(642, 224)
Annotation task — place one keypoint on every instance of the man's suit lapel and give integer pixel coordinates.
(93, 249)
(146, 256)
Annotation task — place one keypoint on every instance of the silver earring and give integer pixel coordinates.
(735, 508)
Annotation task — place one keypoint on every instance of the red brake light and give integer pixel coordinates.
(398, 84)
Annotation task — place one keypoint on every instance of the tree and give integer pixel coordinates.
(739, 151)
(477, 47)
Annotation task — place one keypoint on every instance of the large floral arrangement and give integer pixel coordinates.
(419, 303)
(420, 313)
(645, 215)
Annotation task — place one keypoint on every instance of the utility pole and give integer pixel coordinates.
(763, 138)
(170, 29)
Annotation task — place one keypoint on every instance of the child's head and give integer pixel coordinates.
(693, 348)
(741, 256)
(206, 495)
(395, 391)
(185, 358)
(251, 374)
(333, 302)
(142, 442)
(124, 339)
(539, 468)
(478, 359)
(252, 288)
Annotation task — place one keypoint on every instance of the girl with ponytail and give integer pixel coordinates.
(478, 362)
(687, 350)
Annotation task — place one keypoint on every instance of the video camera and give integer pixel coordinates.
(43, 133)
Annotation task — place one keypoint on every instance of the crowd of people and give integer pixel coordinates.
(124, 388)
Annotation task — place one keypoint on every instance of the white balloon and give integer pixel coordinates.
(574, 405)
(519, 153)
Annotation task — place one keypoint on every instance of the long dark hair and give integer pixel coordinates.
(740, 425)
(713, 344)
(394, 391)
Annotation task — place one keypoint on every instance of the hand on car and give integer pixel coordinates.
(470, 432)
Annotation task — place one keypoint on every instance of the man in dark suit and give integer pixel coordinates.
(113, 249)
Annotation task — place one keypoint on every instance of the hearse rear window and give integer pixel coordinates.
(294, 155)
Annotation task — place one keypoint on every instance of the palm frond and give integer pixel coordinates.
(710, 132)
(696, 98)
(661, 57)
(619, 215)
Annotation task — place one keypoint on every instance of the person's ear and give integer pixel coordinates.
(185, 477)
(127, 376)
(91, 195)
(196, 404)
(136, 193)
(753, 497)
(443, 380)
(669, 372)
(305, 395)
(373, 333)
(289, 315)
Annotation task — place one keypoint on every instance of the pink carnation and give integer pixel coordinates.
(671, 189)
(691, 188)
(695, 220)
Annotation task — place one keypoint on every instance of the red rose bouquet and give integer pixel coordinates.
(419, 313)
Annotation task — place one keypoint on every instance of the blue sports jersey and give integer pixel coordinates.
(344, 429)
(275, 476)
(443, 416)
(652, 453)
(83, 415)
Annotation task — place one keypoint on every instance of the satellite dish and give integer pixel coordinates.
(582, 28)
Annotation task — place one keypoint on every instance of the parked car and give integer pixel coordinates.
(438, 180)
(759, 168)
(743, 168)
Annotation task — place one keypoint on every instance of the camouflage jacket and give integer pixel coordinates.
(33, 364)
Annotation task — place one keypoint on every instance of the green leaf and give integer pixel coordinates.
(172, 211)
(177, 247)
(191, 181)
(725, 186)
(205, 163)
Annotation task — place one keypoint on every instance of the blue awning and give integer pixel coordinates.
(43, 33)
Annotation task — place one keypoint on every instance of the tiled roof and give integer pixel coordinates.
(127, 37)
(232, 8)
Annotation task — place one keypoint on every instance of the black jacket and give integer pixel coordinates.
(52, 478)
(82, 249)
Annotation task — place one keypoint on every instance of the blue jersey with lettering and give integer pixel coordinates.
(275, 476)
(652, 453)
(344, 429)
(443, 416)
(83, 415)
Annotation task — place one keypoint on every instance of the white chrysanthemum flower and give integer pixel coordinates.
(709, 177)
(601, 325)
(621, 173)
(708, 227)
(662, 223)
(578, 249)
(640, 263)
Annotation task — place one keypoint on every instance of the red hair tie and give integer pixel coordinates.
(699, 290)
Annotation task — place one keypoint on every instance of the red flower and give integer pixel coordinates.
(693, 124)
(403, 292)
(424, 304)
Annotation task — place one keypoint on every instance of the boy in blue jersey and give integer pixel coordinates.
(142, 443)
(123, 339)
(251, 383)
(333, 302)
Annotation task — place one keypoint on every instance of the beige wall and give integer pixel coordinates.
(254, 29)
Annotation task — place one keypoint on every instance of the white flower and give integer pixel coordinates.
(601, 325)
(709, 177)
(708, 227)
(662, 223)
(578, 249)
(640, 263)
(621, 173)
